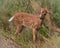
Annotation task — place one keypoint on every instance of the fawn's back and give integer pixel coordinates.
(27, 20)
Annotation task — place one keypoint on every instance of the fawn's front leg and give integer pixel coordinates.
(34, 35)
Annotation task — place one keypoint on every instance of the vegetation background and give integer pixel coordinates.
(50, 30)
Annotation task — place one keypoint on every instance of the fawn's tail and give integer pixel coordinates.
(11, 19)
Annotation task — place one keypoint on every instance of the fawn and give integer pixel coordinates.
(29, 20)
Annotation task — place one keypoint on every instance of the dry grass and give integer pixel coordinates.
(26, 42)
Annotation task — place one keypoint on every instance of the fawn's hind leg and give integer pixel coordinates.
(18, 29)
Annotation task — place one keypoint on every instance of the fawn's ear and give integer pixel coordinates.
(44, 10)
(48, 11)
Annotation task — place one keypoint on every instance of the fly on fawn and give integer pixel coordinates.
(29, 20)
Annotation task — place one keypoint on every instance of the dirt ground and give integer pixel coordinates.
(7, 43)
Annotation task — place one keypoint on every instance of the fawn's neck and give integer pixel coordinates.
(42, 17)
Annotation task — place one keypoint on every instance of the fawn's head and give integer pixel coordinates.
(43, 13)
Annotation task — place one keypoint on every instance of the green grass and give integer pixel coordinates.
(21, 38)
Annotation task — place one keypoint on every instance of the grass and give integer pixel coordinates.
(21, 37)
(8, 8)
(25, 38)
